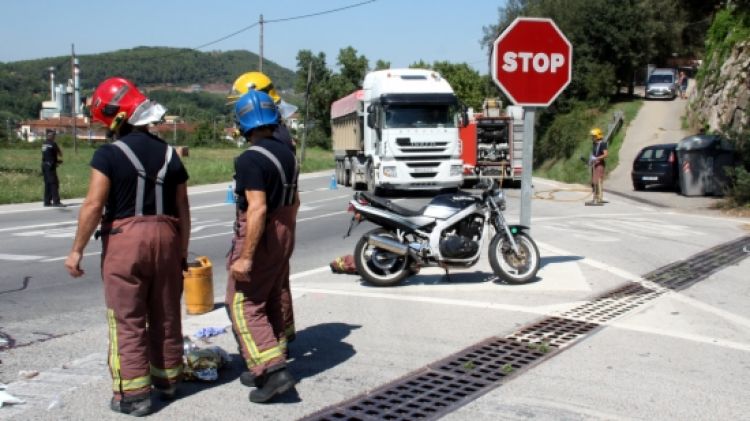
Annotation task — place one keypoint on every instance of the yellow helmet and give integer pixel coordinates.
(252, 80)
(597, 133)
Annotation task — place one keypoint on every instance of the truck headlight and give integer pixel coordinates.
(389, 172)
(457, 170)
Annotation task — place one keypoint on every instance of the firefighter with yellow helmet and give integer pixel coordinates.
(260, 82)
(597, 162)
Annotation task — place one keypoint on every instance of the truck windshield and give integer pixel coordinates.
(420, 115)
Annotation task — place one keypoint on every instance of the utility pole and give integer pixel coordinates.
(307, 109)
(74, 106)
(260, 56)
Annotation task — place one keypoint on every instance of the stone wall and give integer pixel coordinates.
(722, 101)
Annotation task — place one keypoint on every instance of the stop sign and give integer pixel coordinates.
(532, 61)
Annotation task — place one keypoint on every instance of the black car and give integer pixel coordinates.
(656, 164)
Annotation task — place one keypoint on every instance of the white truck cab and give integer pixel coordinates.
(410, 133)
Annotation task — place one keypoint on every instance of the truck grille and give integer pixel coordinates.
(423, 169)
(407, 146)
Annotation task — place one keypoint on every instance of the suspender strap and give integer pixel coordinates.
(141, 187)
(160, 182)
(290, 188)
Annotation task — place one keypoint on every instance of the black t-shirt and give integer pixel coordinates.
(50, 151)
(282, 133)
(123, 177)
(599, 148)
(254, 171)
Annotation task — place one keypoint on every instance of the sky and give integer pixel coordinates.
(399, 31)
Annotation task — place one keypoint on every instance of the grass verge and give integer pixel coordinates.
(571, 169)
(22, 182)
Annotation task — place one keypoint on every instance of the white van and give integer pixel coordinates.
(662, 83)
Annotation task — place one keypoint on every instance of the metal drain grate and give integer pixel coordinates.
(553, 331)
(682, 274)
(442, 386)
(613, 304)
(450, 383)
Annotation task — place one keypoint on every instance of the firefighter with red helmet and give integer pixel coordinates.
(138, 192)
(266, 187)
(258, 81)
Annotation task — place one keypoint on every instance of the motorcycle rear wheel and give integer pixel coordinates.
(512, 268)
(380, 267)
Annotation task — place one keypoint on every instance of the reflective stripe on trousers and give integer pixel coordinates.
(142, 274)
(256, 306)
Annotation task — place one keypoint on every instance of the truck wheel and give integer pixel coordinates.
(347, 177)
(338, 172)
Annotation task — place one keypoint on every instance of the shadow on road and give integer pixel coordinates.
(550, 260)
(319, 348)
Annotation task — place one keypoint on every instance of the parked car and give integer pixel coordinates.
(662, 83)
(656, 164)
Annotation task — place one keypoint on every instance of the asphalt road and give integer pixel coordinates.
(681, 356)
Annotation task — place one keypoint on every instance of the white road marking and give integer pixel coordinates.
(57, 259)
(51, 224)
(19, 257)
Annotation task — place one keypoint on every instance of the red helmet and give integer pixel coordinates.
(114, 101)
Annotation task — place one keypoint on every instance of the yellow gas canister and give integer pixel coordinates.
(199, 286)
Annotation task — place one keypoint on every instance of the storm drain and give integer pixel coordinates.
(444, 386)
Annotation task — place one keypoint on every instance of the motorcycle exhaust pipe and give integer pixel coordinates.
(388, 244)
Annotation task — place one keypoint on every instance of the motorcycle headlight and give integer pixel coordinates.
(500, 199)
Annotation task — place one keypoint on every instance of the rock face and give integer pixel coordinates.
(722, 101)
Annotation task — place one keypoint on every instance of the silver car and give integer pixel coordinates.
(662, 83)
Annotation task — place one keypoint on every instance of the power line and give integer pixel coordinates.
(320, 13)
(325, 12)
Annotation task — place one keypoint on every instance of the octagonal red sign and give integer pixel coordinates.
(532, 61)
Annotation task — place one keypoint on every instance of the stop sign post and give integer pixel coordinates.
(531, 63)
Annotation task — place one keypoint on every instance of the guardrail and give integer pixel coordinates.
(617, 119)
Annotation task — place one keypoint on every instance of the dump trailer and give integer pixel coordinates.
(492, 145)
(399, 132)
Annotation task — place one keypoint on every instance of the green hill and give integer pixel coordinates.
(24, 84)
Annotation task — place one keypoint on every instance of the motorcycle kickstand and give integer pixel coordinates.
(447, 275)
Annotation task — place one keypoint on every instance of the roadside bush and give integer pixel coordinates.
(316, 137)
(564, 134)
(739, 191)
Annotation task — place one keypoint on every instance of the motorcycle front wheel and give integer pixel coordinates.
(380, 267)
(512, 268)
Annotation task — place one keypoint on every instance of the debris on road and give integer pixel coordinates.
(207, 332)
(8, 399)
(343, 264)
(27, 374)
(204, 364)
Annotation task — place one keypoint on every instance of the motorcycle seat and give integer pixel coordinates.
(389, 205)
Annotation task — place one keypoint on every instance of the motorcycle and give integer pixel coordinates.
(449, 232)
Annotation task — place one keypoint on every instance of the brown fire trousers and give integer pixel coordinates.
(257, 307)
(597, 181)
(142, 273)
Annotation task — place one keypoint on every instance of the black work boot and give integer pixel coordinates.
(250, 380)
(167, 394)
(137, 406)
(276, 383)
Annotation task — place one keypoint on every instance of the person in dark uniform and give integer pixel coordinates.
(51, 158)
(266, 186)
(140, 183)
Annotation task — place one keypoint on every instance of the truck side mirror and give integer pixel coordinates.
(371, 120)
(464, 117)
